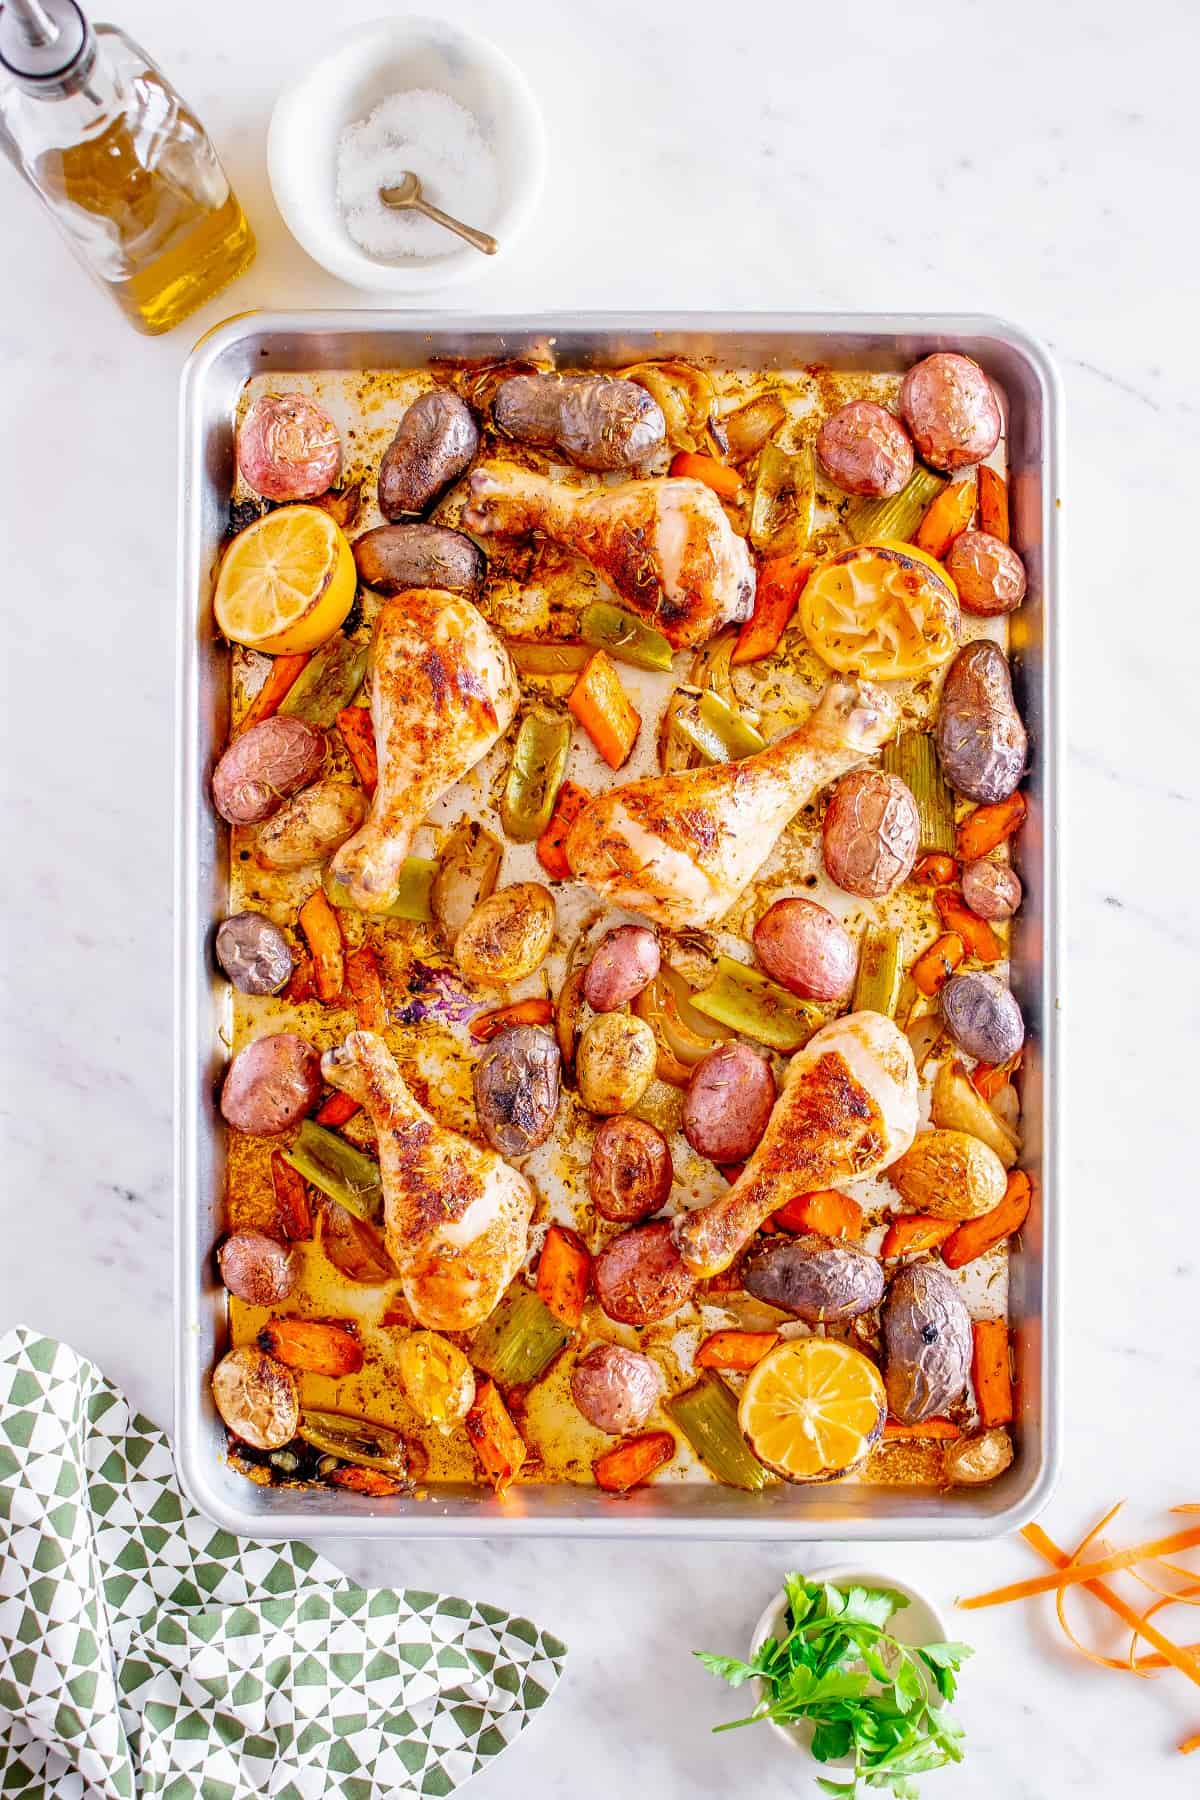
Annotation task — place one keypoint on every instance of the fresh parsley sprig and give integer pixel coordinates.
(866, 1695)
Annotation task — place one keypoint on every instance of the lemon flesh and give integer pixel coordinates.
(287, 582)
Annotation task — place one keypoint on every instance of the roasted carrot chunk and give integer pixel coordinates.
(485, 1026)
(781, 582)
(936, 870)
(551, 851)
(366, 986)
(312, 1345)
(281, 679)
(358, 734)
(735, 1349)
(981, 941)
(912, 1233)
(976, 1236)
(292, 1207)
(825, 1211)
(990, 1371)
(339, 1109)
(988, 1078)
(944, 1429)
(604, 710)
(716, 475)
(990, 826)
(563, 1273)
(366, 1481)
(947, 518)
(993, 503)
(300, 982)
(497, 1442)
(934, 967)
(319, 923)
(632, 1462)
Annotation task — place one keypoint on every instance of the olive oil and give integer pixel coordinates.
(124, 167)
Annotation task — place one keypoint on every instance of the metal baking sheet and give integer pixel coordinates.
(324, 344)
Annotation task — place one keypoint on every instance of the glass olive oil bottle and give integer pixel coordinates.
(127, 172)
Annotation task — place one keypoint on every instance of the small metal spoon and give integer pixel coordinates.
(408, 196)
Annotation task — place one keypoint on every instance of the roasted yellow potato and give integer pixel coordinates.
(615, 1062)
(949, 1174)
(507, 935)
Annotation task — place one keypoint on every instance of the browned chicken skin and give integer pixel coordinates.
(848, 1109)
(665, 544)
(443, 689)
(456, 1216)
(680, 848)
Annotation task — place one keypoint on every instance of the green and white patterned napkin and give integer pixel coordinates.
(145, 1651)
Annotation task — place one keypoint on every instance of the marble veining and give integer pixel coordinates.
(1030, 161)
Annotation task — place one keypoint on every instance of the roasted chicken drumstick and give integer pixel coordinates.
(443, 689)
(680, 848)
(665, 544)
(456, 1216)
(848, 1109)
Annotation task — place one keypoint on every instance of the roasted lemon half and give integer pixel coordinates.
(886, 611)
(286, 583)
(812, 1408)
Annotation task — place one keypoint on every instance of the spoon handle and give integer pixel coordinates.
(482, 240)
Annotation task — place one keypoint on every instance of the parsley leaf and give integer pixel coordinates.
(866, 1695)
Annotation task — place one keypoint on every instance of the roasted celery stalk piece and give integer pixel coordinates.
(625, 637)
(535, 774)
(717, 730)
(339, 1170)
(327, 683)
(748, 1002)
(879, 962)
(359, 1441)
(707, 1415)
(519, 1341)
(913, 757)
(781, 507)
(548, 656)
(412, 898)
(868, 521)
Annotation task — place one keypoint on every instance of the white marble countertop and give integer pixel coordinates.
(1029, 160)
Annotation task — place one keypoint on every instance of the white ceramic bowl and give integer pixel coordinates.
(919, 1622)
(382, 58)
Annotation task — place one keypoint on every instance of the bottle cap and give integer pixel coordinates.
(41, 40)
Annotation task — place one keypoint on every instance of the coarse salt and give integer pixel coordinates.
(440, 141)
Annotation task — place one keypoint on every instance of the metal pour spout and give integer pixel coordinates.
(42, 41)
(34, 23)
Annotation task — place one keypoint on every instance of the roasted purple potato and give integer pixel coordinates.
(253, 953)
(814, 1279)
(434, 442)
(927, 1343)
(980, 738)
(865, 449)
(871, 833)
(393, 558)
(597, 421)
(641, 1277)
(624, 962)
(516, 1089)
(729, 1100)
(271, 1084)
(806, 950)
(989, 576)
(265, 766)
(615, 1388)
(630, 1172)
(948, 404)
(256, 1268)
(982, 1016)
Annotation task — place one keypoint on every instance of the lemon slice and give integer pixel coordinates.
(287, 582)
(812, 1408)
(885, 610)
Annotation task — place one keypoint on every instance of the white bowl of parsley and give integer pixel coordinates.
(854, 1669)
